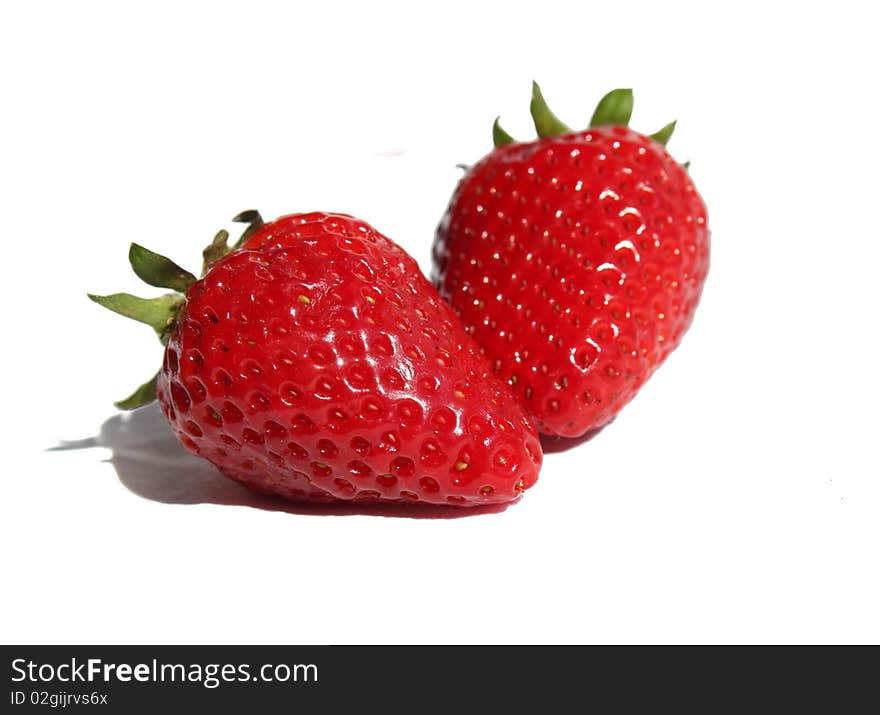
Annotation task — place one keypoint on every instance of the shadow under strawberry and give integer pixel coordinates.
(150, 461)
(551, 445)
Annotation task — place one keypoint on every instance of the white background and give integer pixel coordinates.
(735, 500)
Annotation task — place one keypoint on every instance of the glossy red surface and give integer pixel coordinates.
(576, 262)
(318, 363)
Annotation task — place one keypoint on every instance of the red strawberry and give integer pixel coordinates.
(315, 361)
(576, 261)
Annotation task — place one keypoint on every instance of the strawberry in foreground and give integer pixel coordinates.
(315, 361)
(576, 261)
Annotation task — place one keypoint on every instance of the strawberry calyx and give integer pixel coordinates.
(162, 313)
(614, 109)
(499, 136)
(218, 248)
(157, 270)
(547, 124)
(159, 313)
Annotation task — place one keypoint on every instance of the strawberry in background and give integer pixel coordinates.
(576, 261)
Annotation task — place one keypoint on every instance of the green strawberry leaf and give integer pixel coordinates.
(254, 221)
(216, 250)
(662, 136)
(547, 124)
(159, 313)
(499, 136)
(143, 395)
(615, 108)
(156, 270)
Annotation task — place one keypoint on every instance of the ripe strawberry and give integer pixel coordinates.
(576, 261)
(315, 361)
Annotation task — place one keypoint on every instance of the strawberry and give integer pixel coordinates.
(314, 360)
(576, 261)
